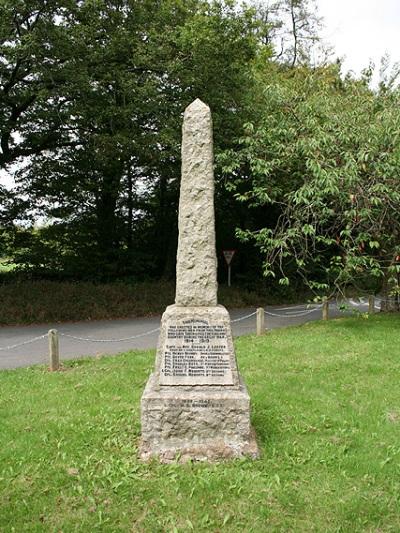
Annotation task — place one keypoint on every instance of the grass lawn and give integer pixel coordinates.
(326, 409)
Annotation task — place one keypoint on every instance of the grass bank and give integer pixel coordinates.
(326, 409)
(34, 302)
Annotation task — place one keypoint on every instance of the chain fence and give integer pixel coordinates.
(88, 339)
(293, 315)
(291, 312)
(91, 339)
(243, 317)
(29, 341)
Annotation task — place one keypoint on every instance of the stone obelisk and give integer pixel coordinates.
(196, 265)
(195, 405)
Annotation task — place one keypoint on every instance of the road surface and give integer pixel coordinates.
(70, 348)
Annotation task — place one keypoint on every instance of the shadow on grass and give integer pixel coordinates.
(266, 424)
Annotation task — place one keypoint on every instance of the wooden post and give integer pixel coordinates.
(371, 304)
(54, 350)
(325, 309)
(260, 321)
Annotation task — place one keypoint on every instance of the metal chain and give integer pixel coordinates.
(316, 306)
(23, 343)
(109, 340)
(301, 313)
(290, 315)
(243, 317)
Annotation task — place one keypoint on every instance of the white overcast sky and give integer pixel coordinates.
(358, 30)
(362, 30)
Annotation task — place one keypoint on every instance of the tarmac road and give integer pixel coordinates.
(37, 351)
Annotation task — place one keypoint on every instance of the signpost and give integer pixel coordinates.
(228, 254)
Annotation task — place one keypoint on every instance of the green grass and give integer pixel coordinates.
(326, 410)
(34, 302)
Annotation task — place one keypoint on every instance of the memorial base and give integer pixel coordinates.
(208, 423)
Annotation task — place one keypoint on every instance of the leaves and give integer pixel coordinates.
(321, 154)
(101, 87)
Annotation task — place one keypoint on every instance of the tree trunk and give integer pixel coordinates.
(107, 230)
(162, 226)
(129, 233)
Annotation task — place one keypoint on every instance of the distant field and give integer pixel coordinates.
(326, 410)
(29, 302)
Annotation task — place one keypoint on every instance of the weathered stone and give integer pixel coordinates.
(200, 423)
(196, 268)
(195, 405)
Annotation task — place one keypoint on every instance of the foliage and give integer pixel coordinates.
(293, 28)
(35, 73)
(8, 205)
(40, 301)
(327, 421)
(125, 71)
(91, 99)
(324, 158)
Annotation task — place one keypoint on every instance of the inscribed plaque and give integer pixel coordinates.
(196, 352)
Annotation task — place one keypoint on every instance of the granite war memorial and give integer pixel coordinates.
(195, 404)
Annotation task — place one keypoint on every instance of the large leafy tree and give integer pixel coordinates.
(35, 73)
(111, 177)
(324, 162)
(35, 101)
(292, 28)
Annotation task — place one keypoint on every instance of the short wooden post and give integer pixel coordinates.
(325, 309)
(371, 304)
(260, 321)
(54, 350)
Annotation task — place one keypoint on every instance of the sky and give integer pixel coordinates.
(362, 30)
(358, 30)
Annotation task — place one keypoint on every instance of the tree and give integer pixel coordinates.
(35, 70)
(292, 28)
(325, 160)
(134, 68)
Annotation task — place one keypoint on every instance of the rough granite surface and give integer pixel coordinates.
(203, 423)
(195, 405)
(196, 268)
